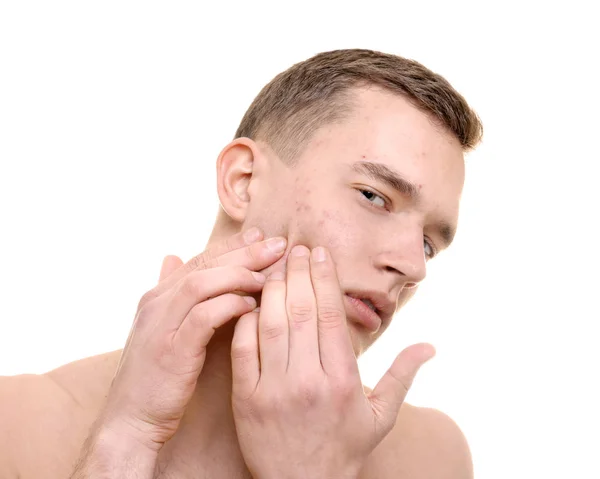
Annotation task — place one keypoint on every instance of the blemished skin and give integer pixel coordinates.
(289, 403)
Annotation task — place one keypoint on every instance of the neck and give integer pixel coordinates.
(207, 431)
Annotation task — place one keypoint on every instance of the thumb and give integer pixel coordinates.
(170, 264)
(391, 390)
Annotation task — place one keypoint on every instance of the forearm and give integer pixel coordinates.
(309, 470)
(107, 455)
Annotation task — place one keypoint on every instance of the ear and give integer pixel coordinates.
(235, 166)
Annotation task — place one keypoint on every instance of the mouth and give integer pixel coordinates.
(363, 312)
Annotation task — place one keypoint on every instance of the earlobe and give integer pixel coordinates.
(235, 167)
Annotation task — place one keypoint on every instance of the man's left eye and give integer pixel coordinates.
(373, 198)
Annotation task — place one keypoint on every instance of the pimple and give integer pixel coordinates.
(302, 207)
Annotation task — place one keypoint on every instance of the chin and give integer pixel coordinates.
(361, 339)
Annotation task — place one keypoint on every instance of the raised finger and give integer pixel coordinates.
(301, 307)
(390, 392)
(335, 345)
(255, 256)
(245, 363)
(273, 331)
(232, 243)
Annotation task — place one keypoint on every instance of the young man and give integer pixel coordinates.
(343, 180)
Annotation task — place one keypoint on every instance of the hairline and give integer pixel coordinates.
(349, 106)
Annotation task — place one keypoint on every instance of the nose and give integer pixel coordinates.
(404, 256)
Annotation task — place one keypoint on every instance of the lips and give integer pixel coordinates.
(361, 313)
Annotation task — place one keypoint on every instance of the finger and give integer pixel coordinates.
(232, 243)
(255, 256)
(199, 325)
(301, 307)
(170, 264)
(335, 345)
(390, 392)
(273, 330)
(236, 241)
(202, 285)
(245, 364)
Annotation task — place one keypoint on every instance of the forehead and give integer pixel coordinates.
(386, 128)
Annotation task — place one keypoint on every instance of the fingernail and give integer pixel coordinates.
(277, 275)
(319, 254)
(276, 245)
(299, 250)
(261, 278)
(252, 235)
(250, 300)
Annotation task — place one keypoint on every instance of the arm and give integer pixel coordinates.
(34, 443)
(109, 454)
(165, 352)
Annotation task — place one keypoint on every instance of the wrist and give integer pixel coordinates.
(110, 452)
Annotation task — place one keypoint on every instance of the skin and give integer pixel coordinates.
(321, 201)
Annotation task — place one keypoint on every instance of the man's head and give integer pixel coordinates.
(358, 151)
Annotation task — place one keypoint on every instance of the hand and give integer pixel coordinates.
(166, 348)
(299, 406)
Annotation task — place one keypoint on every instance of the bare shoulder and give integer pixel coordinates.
(87, 380)
(425, 443)
(45, 418)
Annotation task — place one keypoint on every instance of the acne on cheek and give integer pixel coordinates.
(335, 229)
(302, 207)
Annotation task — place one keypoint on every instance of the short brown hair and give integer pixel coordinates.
(313, 93)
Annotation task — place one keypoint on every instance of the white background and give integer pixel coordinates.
(112, 115)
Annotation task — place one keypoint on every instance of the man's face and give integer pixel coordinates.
(379, 231)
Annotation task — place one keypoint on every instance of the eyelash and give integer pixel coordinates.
(385, 200)
(387, 203)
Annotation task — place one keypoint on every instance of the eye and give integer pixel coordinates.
(374, 198)
(429, 249)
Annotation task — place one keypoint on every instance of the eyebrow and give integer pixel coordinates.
(385, 174)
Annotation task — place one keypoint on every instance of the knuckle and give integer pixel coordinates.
(200, 316)
(198, 262)
(146, 298)
(273, 330)
(193, 284)
(330, 313)
(203, 261)
(344, 388)
(267, 404)
(146, 313)
(241, 350)
(301, 312)
(402, 381)
(307, 392)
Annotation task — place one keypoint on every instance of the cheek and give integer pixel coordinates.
(329, 227)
